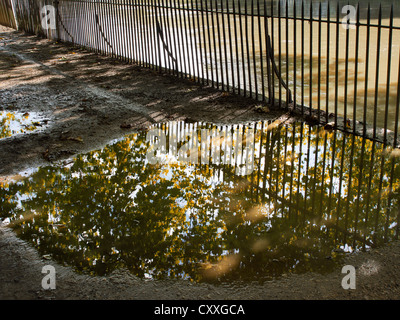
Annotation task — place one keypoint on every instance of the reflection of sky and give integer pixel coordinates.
(13, 123)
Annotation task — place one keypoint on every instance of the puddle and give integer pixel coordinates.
(212, 203)
(14, 123)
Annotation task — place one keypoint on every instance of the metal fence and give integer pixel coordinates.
(331, 61)
(6, 14)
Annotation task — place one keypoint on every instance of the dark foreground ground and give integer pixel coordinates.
(84, 99)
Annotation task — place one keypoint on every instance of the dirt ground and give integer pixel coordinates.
(87, 100)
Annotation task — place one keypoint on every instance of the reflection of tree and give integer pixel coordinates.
(309, 194)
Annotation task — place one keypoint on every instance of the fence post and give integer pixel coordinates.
(14, 13)
(56, 2)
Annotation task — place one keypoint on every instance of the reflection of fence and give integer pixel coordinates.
(289, 53)
(311, 194)
(345, 184)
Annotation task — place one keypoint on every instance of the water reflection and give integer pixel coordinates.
(312, 196)
(12, 123)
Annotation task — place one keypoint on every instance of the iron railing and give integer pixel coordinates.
(6, 14)
(329, 64)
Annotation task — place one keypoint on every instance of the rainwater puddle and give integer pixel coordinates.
(212, 203)
(14, 123)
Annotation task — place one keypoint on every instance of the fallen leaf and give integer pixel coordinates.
(78, 139)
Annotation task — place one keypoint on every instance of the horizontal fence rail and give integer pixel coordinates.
(337, 61)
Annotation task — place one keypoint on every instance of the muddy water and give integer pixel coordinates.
(204, 202)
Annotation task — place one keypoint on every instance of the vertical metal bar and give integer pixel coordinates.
(267, 56)
(366, 71)
(192, 42)
(168, 32)
(117, 35)
(247, 46)
(84, 24)
(126, 31)
(153, 37)
(287, 53)
(195, 42)
(254, 50)
(178, 51)
(223, 40)
(261, 51)
(157, 42)
(280, 51)
(163, 35)
(200, 43)
(184, 70)
(311, 58)
(73, 27)
(236, 47)
(294, 55)
(397, 113)
(150, 55)
(230, 45)
(105, 23)
(220, 47)
(328, 37)
(302, 58)
(346, 76)
(209, 46)
(243, 49)
(148, 39)
(91, 26)
(319, 60)
(96, 29)
(132, 46)
(377, 71)
(356, 68)
(139, 10)
(215, 46)
(337, 63)
(206, 77)
(113, 35)
(140, 32)
(131, 36)
(188, 69)
(388, 74)
(120, 32)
